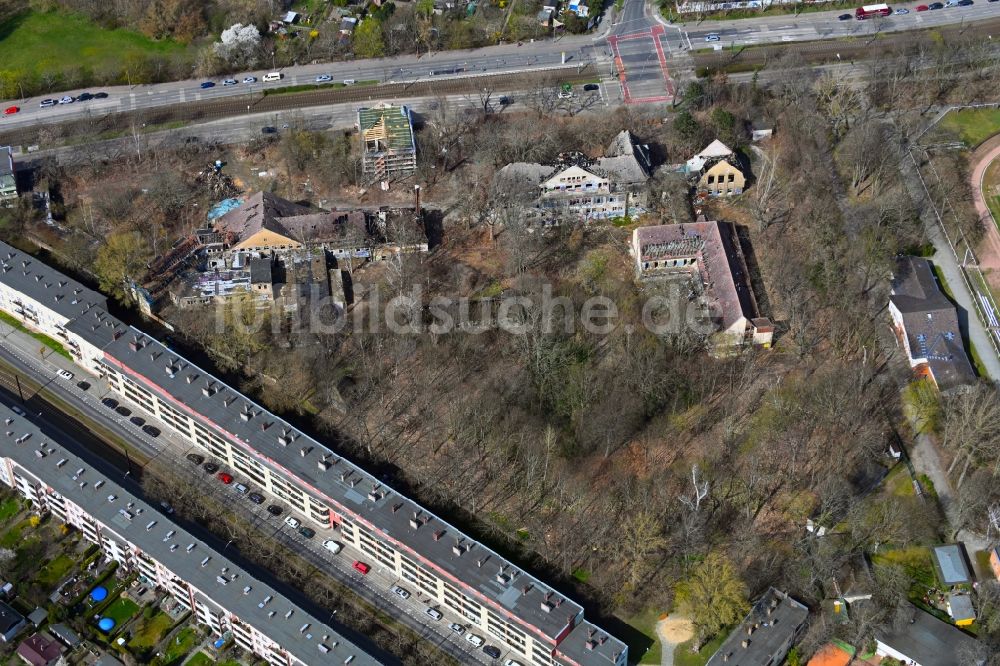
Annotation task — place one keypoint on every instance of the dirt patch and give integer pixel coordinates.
(985, 183)
(672, 631)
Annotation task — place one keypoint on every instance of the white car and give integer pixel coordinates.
(65, 374)
(229, 82)
(565, 94)
(332, 546)
(457, 628)
(433, 613)
(250, 79)
(476, 640)
(400, 592)
(66, 100)
(323, 78)
(294, 523)
(713, 37)
(512, 662)
(901, 11)
(47, 103)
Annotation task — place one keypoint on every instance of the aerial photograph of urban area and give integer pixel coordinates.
(499, 333)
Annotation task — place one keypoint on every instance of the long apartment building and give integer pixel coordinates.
(219, 593)
(470, 581)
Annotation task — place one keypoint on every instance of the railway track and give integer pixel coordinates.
(260, 103)
(819, 52)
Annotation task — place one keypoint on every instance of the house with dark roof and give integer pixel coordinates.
(924, 640)
(927, 326)
(65, 635)
(11, 623)
(708, 255)
(40, 650)
(766, 634)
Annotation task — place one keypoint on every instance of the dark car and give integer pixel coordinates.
(506, 101)
(274, 509)
(84, 97)
(591, 87)
(256, 498)
(101, 95)
(138, 420)
(210, 468)
(123, 410)
(965, 3)
(935, 5)
(207, 84)
(268, 130)
(844, 17)
(195, 458)
(83, 386)
(110, 403)
(307, 532)
(151, 430)
(491, 651)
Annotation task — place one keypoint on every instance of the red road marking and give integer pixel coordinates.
(663, 62)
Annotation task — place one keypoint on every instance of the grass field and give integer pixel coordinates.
(991, 189)
(200, 659)
(53, 572)
(684, 657)
(51, 343)
(9, 508)
(121, 611)
(151, 631)
(55, 42)
(973, 125)
(645, 622)
(179, 646)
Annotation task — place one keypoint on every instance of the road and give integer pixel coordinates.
(573, 50)
(22, 352)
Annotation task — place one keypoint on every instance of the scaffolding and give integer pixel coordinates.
(388, 146)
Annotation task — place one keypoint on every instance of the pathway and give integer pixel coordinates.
(672, 631)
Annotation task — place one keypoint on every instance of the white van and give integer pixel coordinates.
(272, 76)
(478, 641)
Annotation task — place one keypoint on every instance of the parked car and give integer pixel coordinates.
(123, 410)
(152, 431)
(293, 522)
(492, 651)
(66, 99)
(307, 532)
(195, 458)
(206, 85)
(400, 592)
(249, 79)
(274, 509)
(361, 566)
(901, 11)
(590, 87)
(714, 37)
(935, 5)
(332, 546)
(922, 8)
(433, 613)
(65, 374)
(844, 17)
(138, 420)
(225, 478)
(45, 103)
(83, 386)
(457, 628)
(17, 410)
(475, 639)
(110, 403)
(100, 95)
(229, 82)
(241, 489)
(11, 110)
(84, 97)
(512, 662)
(256, 498)
(323, 78)
(965, 3)
(565, 94)
(268, 130)
(210, 467)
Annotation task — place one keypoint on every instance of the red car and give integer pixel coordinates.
(922, 8)
(225, 478)
(361, 566)
(11, 110)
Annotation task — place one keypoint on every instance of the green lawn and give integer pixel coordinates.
(9, 508)
(645, 622)
(684, 657)
(152, 631)
(973, 125)
(179, 646)
(46, 44)
(12, 536)
(200, 659)
(121, 611)
(53, 572)
(899, 482)
(51, 343)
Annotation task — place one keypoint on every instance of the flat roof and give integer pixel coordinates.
(44, 284)
(778, 618)
(951, 565)
(438, 545)
(167, 542)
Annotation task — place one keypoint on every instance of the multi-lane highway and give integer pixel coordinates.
(165, 452)
(575, 51)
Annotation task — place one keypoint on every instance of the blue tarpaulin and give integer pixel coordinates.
(223, 207)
